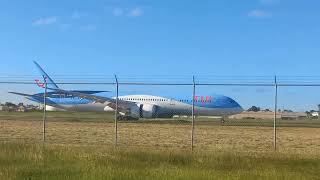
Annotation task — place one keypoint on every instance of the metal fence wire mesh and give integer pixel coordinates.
(163, 112)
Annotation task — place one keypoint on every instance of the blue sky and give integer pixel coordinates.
(225, 37)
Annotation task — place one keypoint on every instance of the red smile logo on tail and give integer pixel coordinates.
(39, 83)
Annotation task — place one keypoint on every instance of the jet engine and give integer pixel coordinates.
(51, 108)
(144, 111)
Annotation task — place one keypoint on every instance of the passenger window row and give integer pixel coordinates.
(142, 99)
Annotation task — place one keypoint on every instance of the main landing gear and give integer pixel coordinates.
(127, 118)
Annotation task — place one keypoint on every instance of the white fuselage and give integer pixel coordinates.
(165, 106)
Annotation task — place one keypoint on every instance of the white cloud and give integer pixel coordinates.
(117, 11)
(135, 12)
(130, 12)
(259, 14)
(45, 21)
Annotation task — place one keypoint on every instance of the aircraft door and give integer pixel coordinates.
(172, 102)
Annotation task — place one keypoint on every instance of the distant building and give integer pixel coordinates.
(6, 108)
(32, 108)
(269, 115)
(21, 109)
(293, 115)
(314, 114)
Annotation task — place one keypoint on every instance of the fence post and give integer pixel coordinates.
(44, 110)
(275, 114)
(192, 128)
(116, 113)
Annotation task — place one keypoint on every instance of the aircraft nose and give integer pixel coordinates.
(230, 103)
(240, 109)
(236, 105)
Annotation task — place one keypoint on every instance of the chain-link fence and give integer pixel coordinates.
(198, 114)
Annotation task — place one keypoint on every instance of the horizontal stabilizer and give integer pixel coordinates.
(38, 98)
(21, 94)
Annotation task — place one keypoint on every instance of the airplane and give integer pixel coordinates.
(130, 106)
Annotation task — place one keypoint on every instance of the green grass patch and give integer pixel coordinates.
(25, 161)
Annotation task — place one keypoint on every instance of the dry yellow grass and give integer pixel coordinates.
(164, 135)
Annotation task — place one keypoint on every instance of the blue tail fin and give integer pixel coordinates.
(50, 82)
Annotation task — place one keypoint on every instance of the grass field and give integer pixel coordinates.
(81, 146)
(98, 129)
(21, 161)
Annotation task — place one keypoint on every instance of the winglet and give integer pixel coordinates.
(50, 82)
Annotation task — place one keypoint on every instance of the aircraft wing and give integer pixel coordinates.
(123, 106)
